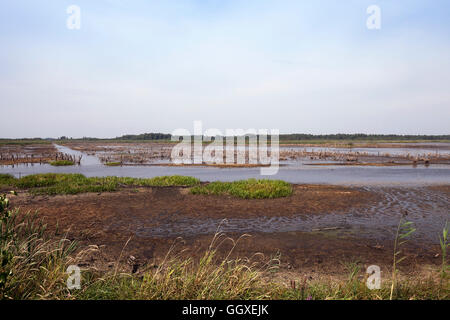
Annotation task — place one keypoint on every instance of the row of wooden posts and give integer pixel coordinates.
(43, 158)
(69, 157)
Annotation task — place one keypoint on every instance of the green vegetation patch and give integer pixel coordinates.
(53, 183)
(34, 263)
(60, 163)
(167, 181)
(6, 179)
(113, 164)
(71, 183)
(23, 142)
(247, 189)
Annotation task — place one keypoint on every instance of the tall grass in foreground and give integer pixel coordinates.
(444, 245)
(240, 278)
(404, 230)
(210, 277)
(247, 189)
(34, 264)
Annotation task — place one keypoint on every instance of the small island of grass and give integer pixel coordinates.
(59, 163)
(247, 189)
(113, 164)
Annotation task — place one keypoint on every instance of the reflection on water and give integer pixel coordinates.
(442, 149)
(86, 159)
(427, 209)
(293, 172)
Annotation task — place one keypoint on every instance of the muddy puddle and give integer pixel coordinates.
(428, 209)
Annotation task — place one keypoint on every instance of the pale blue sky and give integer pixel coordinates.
(298, 66)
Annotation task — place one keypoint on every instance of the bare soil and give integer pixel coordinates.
(108, 220)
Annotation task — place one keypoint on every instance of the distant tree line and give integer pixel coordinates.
(283, 137)
(303, 136)
(360, 136)
(146, 136)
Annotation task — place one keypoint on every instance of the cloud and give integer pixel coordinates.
(298, 67)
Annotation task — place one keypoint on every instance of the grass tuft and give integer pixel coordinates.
(34, 265)
(113, 164)
(210, 277)
(72, 183)
(6, 179)
(247, 189)
(60, 163)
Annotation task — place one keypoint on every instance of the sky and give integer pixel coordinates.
(140, 66)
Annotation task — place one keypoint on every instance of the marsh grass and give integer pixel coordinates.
(60, 163)
(23, 142)
(356, 289)
(209, 277)
(444, 243)
(113, 164)
(246, 189)
(405, 229)
(6, 179)
(34, 265)
(70, 183)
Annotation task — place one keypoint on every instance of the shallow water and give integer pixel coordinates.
(400, 189)
(442, 149)
(428, 209)
(294, 172)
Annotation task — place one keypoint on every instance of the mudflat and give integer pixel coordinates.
(146, 222)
